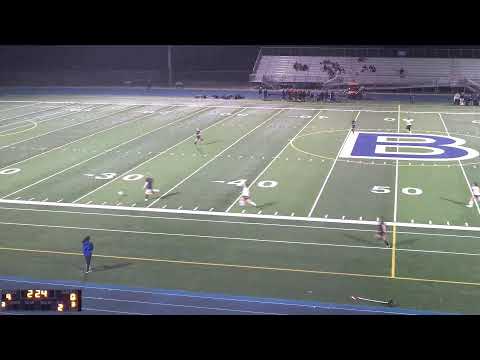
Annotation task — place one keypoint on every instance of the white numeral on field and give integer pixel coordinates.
(390, 119)
(378, 189)
(9, 171)
(412, 191)
(242, 114)
(106, 176)
(240, 182)
(268, 183)
(132, 177)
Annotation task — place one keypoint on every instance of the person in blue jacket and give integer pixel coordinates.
(87, 247)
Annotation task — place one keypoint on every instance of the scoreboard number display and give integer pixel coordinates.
(41, 300)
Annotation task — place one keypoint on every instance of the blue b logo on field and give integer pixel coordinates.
(425, 147)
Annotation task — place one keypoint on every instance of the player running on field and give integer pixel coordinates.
(245, 197)
(354, 123)
(475, 195)
(409, 127)
(198, 136)
(149, 190)
(382, 232)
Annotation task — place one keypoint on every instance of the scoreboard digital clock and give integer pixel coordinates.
(41, 300)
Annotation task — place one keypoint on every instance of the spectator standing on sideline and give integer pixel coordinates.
(87, 247)
(265, 94)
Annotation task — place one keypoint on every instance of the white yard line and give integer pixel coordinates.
(225, 214)
(274, 158)
(103, 152)
(154, 157)
(461, 167)
(63, 128)
(34, 112)
(331, 169)
(77, 140)
(216, 156)
(395, 204)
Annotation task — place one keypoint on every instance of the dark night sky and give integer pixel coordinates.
(185, 58)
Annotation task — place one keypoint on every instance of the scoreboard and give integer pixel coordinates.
(41, 300)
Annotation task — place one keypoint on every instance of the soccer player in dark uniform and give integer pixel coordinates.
(149, 190)
(354, 123)
(382, 232)
(198, 136)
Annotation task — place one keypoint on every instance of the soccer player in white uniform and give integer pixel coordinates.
(475, 194)
(198, 136)
(245, 197)
(149, 190)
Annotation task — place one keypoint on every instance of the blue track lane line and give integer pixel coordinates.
(197, 299)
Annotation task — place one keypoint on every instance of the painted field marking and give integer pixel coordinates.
(216, 156)
(461, 167)
(114, 311)
(395, 207)
(274, 158)
(20, 106)
(181, 305)
(157, 155)
(242, 238)
(34, 112)
(103, 152)
(234, 107)
(78, 140)
(63, 128)
(331, 169)
(240, 266)
(222, 214)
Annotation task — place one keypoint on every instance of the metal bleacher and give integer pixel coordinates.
(422, 72)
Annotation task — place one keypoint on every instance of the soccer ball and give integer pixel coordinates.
(121, 193)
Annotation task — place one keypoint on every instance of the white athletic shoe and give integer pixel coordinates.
(469, 205)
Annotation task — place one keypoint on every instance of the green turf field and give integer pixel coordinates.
(63, 162)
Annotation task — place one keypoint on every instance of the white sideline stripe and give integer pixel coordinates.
(331, 170)
(180, 305)
(274, 158)
(63, 128)
(216, 156)
(99, 154)
(114, 311)
(233, 107)
(160, 153)
(166, 293)
(77, 140)
(461, 167)
(225, 214)
(238, 239)
(228, 222)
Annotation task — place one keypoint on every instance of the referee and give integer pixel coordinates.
(87, 247)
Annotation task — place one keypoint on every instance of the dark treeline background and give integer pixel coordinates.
(184, 58)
